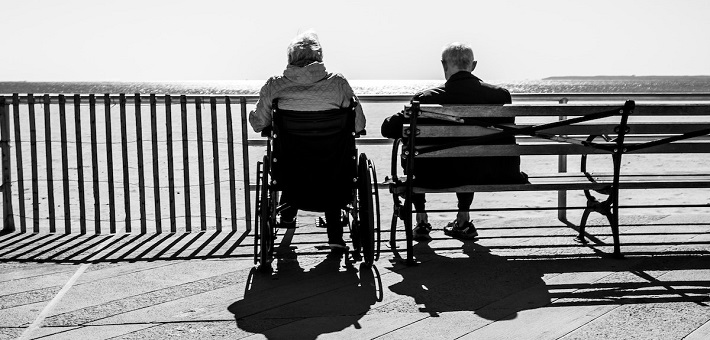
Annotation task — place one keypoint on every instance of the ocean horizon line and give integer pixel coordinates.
(551, 77)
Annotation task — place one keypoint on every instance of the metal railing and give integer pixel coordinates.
(173, 158)
(124, 159)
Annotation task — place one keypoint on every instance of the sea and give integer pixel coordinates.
(567, 84)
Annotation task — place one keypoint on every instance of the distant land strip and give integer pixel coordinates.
(631, 77)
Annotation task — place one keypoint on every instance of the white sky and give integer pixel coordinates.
(141, 40)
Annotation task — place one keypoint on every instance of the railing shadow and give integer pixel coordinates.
(77, 248)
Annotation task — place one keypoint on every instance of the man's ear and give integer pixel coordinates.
(473, 65)
(443, 64)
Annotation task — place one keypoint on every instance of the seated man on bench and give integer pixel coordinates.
(461, 87)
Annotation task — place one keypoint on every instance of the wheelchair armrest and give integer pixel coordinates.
(361, 133)
(395, 157)
(266, 132)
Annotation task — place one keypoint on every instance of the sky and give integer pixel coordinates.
(174, 40)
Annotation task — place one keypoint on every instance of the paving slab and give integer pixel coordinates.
(187, 330)
(673, 320)
(86, 332)
(7, 333)
(22, 315)
(701, 333)
(540, 323)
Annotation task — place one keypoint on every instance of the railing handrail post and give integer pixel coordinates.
(245, 162)
(8, 221)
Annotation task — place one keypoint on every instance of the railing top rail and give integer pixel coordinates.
(130, 98)
(384, 98)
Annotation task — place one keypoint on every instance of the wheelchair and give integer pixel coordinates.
(312, 156)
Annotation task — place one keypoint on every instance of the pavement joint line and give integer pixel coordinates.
(34, 276)
(37, 323)
(47, 309)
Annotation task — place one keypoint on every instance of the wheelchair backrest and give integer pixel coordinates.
(314, 156)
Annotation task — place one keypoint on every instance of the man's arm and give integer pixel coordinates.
(348, 94)
(260, 118)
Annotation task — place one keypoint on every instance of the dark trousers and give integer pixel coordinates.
(465, 200)
(332, 219)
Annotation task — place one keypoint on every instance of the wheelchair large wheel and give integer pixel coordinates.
(257, 211)
(353, 224)
(369, 210)
(267, 218)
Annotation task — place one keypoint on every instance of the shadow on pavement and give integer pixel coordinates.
(471, 283)
(496, 288)
(292, 302)
(98, 248)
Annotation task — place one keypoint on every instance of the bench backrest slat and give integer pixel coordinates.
(513, 110)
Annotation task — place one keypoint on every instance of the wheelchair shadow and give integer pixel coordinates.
(488, 285)
(292, 302)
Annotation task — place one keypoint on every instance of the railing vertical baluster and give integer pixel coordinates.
(156, 173)
(124, 150)
(80, 163)
(562, 194)
(109, 163)
(50, 161)
(8, 223)
(215, 155)
(245, 163)
(186, 164)
(201, 163)
(171, 166)
(20, 168)
(141, 173)
(65, 162)
(33, 155)
(95, 164)
(230, 154)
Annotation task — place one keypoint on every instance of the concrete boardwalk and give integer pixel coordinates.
(523, 279)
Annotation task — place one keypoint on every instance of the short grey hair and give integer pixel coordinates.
(458, 54)
(304, 49)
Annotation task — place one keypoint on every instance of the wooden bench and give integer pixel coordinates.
(560, 129)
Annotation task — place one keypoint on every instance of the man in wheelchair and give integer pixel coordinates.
(314, 116)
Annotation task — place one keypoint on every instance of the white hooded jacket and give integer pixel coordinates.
(307, 88)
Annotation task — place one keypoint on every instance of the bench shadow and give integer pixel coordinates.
(474, 280)
(497, 288)
(299, 303)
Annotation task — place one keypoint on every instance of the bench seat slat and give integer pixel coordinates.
(578, 181)
(428, 131)
(553, 148)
